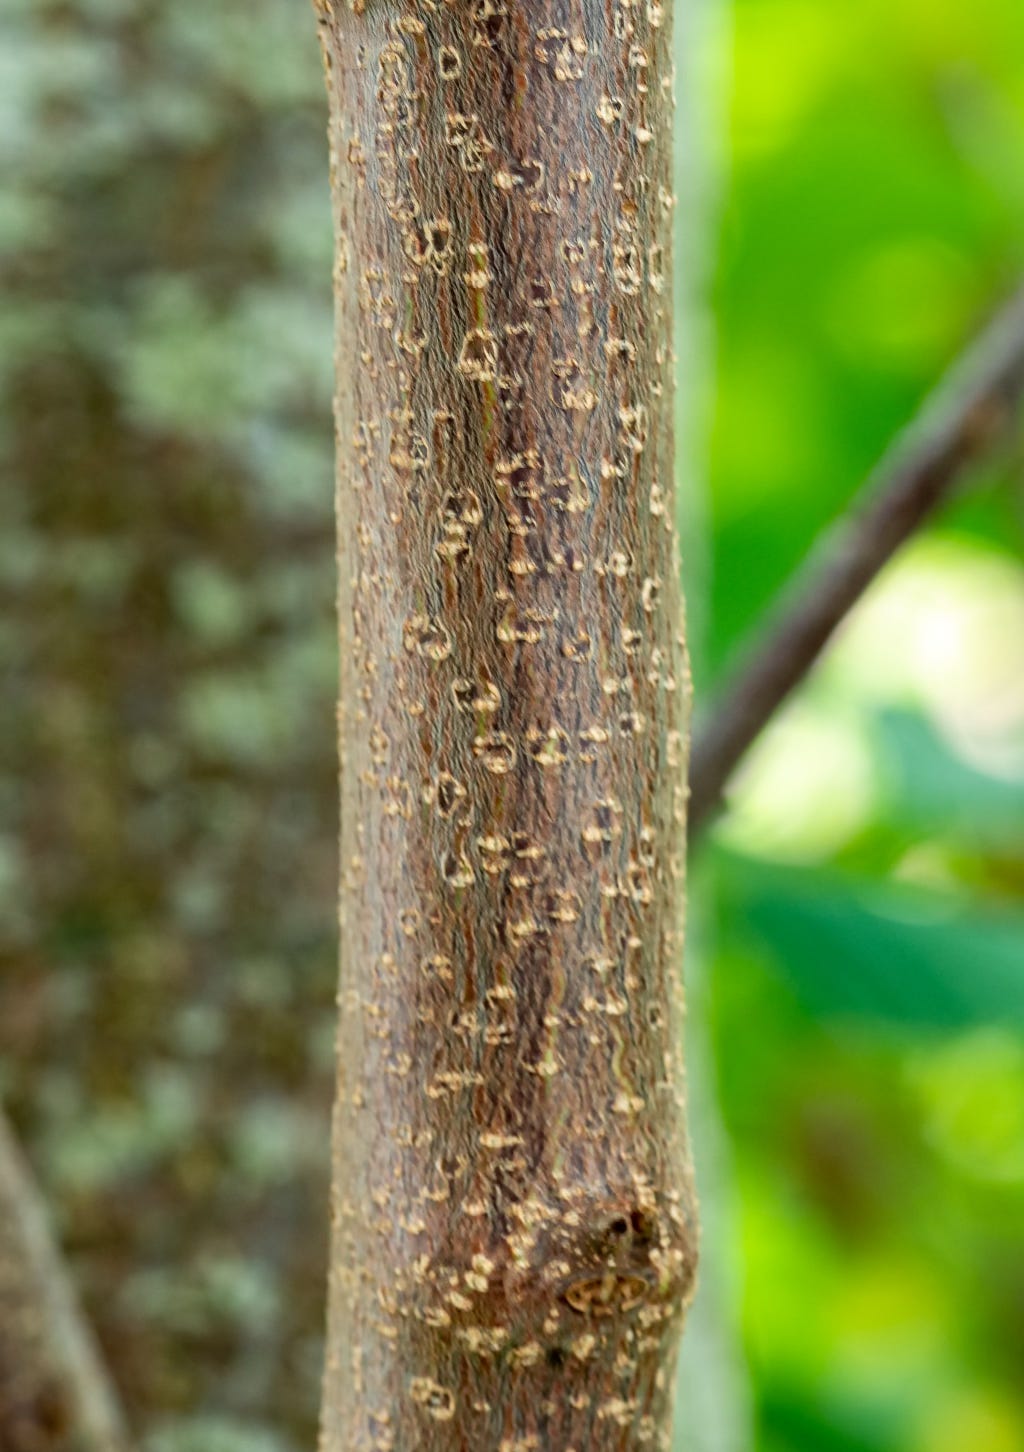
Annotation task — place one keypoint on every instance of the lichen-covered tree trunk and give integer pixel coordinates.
(514, 1229)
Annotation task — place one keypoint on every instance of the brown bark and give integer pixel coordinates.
(514, 1229)
(54, 1394)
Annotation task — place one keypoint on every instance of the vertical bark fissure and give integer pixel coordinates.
(513, 1219)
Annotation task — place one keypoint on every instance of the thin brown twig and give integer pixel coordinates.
(55, 1395)
(961, 422)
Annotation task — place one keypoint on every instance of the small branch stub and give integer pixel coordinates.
(514, 1227)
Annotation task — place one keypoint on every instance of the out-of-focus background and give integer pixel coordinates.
(167, 857)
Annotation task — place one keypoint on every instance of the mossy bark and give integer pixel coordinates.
(514, 1228)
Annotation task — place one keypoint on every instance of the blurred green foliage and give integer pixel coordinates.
(866, 891)
(167, 854)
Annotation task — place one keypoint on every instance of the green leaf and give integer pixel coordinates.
(930, 787)
(883, 955)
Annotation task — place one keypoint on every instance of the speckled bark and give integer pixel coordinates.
(514, 1236)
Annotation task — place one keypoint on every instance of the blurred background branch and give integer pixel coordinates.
(968, 416)
(54, 1392)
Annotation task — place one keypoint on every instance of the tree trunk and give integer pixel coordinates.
(514, 1228)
